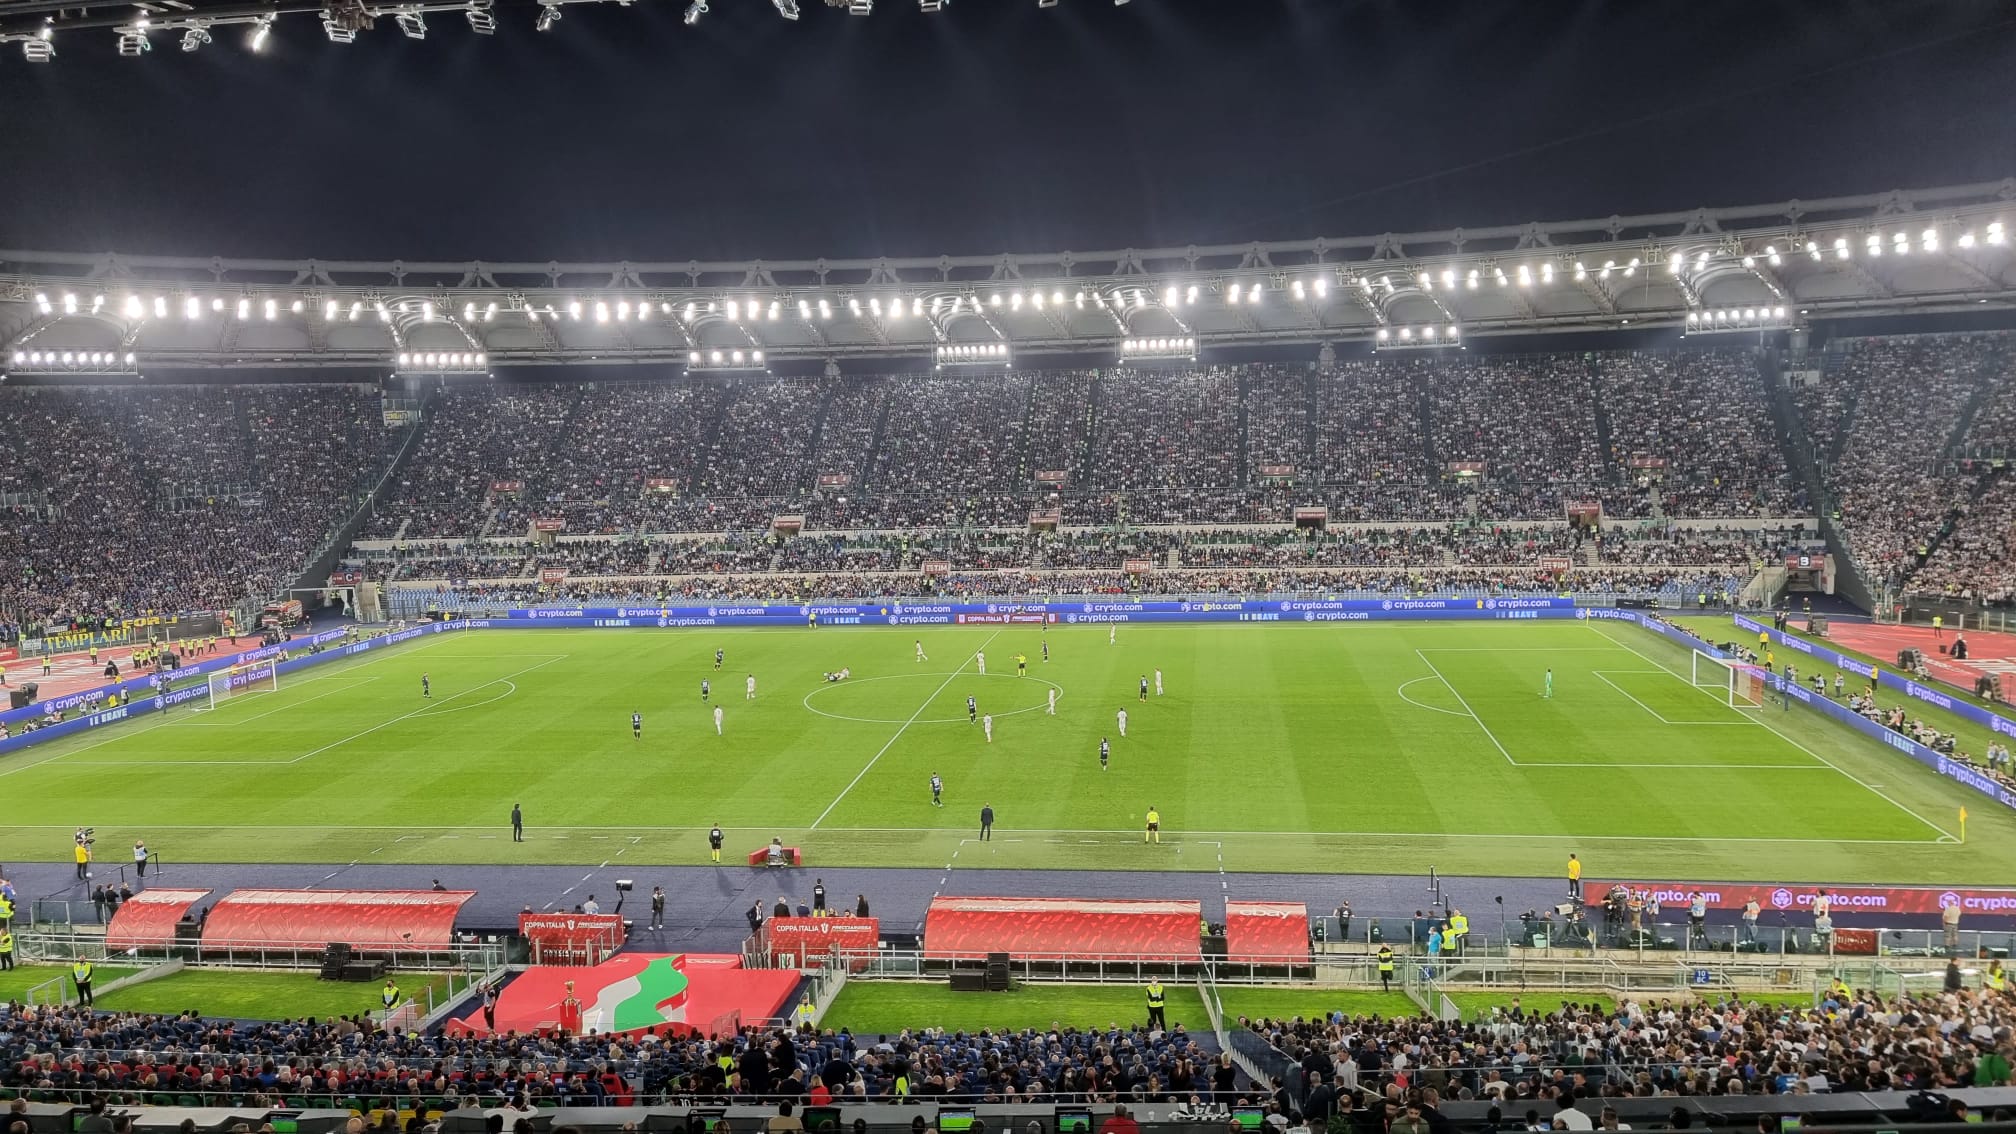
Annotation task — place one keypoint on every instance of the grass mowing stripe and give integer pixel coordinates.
(905, 727)
(1492, 736)
(1764, 720)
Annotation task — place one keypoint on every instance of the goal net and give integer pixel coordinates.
(240, 680)
(1742, 685)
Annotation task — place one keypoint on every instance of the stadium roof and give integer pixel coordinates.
(1711, 271)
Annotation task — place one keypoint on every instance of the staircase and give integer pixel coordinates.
(1239, 457)
(1023, 471)
(1089, 468)
(1601, 409)
(826, 392)
(863, 476)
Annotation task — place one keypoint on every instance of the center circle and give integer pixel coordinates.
(931, 685)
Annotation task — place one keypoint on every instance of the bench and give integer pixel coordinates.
(761, 855)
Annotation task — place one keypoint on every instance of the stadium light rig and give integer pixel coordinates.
(1726, 320)
(1142, 350)
(1429, 337)
(725, 360)
(74, 362)
(974, 354)
(443, 362)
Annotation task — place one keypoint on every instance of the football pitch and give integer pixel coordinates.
(1376, 748)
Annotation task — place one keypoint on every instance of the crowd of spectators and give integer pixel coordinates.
(123, 1058)
(1541, 1061)
(1894, 492)
(101, 480)
(1531, 420)
(1705, 415)
(1977, 560)
(174, 498)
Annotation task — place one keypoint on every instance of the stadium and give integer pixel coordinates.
(1481, 673)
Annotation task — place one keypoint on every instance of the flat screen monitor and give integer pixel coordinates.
(955, 1119)
(1074, 1120)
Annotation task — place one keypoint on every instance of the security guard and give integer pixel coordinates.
(1157, 1020)
(82, 853)
(6, 949)
(389, 995)
(1459, 929)
(1839, 990)
(6, 912)
(1385, 968)
(804, 1012)
(80, 975)
(1996, 980)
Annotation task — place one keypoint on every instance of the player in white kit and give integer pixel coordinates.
(1123, 722)
(987, 726)
(980, 657)
(717, 720)
(920, 651)
(1158, 683)
(749, 688)
(1052, 710)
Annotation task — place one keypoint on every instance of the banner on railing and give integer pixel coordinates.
(1799, 899)
(1051, 476)
(571, 938)
(549, 524)
(552, 575)
(835, 480)
(660, 484)
(809, 940)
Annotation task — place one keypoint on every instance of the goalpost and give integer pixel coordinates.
(261, 676)
(1740, 684)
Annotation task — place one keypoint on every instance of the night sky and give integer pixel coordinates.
(990, 126)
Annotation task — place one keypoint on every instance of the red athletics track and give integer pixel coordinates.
(75, 672)
(1988, 651)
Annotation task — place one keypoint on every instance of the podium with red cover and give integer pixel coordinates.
(1072, 928)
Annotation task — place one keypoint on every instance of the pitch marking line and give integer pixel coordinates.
(1945, 836)
(192, 723)
(1423, 705)
(333, 669)
(873, 760)
(1598, 674)
(1441, 838)
(425, 709)
(1493, 737)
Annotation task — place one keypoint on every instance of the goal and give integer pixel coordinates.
(239, 680)
(1742, 685)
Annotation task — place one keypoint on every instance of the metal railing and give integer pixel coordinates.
(62, 945)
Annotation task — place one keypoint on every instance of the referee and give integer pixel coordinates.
(1154, 832)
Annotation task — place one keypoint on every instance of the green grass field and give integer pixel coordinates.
(1367, 748)
(882, 1007)
(261, 995)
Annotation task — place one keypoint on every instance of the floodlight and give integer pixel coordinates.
(255, 40)
(195, 37)
(412, 23)
(549, 14)
(694, 11)
(787, 8)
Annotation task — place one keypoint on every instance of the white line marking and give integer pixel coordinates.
(1722, 767)
(1493, 737)
(1422, 705)
(1763, 719)
(234, 723)
(858, 776)
(424, 709)
(1656, 714)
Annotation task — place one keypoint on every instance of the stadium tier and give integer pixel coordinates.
(1185, 480)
